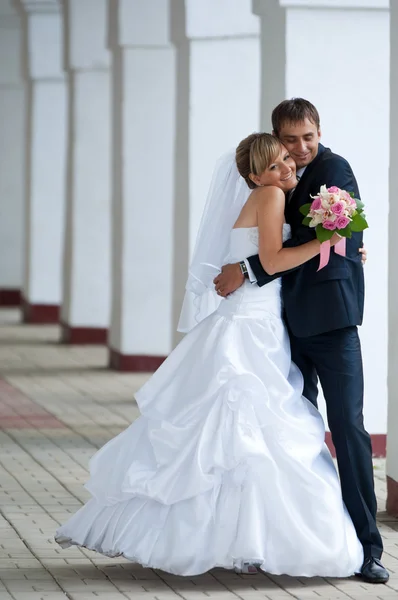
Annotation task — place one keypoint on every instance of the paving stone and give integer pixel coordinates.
(61, 404)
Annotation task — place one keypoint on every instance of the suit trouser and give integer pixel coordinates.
(335, 357)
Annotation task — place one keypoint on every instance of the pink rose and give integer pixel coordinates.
(328, 224)
(333, 190)
(338, 208)
(317, 204)
(342, 222)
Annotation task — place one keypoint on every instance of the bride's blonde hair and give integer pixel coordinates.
(255, 154)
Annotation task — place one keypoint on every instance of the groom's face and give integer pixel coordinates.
(301, 139)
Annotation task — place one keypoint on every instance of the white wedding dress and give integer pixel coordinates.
(227, 463)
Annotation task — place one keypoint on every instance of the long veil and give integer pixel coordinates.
(227, 194)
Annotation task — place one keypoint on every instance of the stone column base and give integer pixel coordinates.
(379, 444)
(134, 363)
(10, 297)
(83, 335)
(40, 313)
(392, 497)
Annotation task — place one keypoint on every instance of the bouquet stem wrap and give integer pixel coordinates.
(340, 247)
(325, 255)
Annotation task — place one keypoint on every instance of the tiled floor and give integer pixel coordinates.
(58, 404)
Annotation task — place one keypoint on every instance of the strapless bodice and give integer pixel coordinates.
(250, 300)
(244, 241)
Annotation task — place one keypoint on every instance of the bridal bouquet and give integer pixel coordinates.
(331, 211)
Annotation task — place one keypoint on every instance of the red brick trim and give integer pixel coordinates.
(379, 444)
(134, 363)
(83, 335)
(40, 313)
(18, 411)
(392, 497)
(9, 297)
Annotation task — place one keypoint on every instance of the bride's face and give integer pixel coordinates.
(281, 173)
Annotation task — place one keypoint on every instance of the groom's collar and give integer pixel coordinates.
(321, 150)
(307, 170)
(300, 173)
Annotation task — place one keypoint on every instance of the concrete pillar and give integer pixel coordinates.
(143, 113)
(274, 57)
(85, 310)
(12, 155)
(218, 105)
(392, 421)
(46, 159)
(298, 60)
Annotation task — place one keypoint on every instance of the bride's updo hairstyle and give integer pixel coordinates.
(255, 154)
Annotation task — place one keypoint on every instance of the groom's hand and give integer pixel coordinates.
(229, 280)
(364, 253)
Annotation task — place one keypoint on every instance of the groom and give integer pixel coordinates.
(322, 311)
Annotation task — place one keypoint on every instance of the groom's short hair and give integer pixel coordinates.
(295, 110)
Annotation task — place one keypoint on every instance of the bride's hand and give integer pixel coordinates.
(229, 280)
(334, 239)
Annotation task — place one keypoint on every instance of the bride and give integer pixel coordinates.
(227, 465)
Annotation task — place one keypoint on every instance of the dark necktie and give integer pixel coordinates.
(290, 194)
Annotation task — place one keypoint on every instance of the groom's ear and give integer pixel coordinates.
(274, 134)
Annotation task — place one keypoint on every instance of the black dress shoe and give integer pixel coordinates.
(372, 571)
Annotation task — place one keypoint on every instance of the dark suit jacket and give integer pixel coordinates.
(333, 298)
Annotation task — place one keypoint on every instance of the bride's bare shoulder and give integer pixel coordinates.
(269, 193)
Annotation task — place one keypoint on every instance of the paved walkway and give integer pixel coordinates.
(58, 404)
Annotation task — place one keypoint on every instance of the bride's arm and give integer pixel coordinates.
(274, 258)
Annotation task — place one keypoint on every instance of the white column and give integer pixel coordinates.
(85, 310)
(12, 155)
(273, 40)
(46, 161)
(218, 104)
(144, 68)
(348, 81)
(392, 429)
